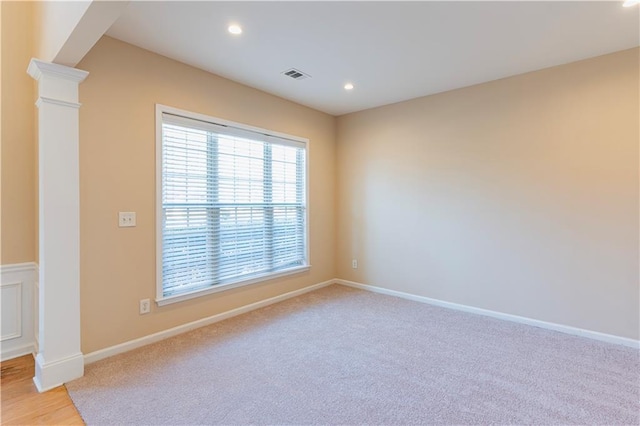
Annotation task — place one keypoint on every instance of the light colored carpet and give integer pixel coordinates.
(345, 356)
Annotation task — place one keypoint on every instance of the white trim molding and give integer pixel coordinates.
(38, 68)
(17, 290)
(224, 287)
(595, 335)
(165, 334)
(42, 100)
(18, 267)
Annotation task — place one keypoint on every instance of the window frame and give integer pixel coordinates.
(161, 299)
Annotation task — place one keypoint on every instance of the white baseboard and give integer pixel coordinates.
(15, 352)
(595, 335)
(156, 337)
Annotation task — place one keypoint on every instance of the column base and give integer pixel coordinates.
(51, 374)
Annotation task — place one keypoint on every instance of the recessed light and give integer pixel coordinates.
(235, 29)
(630, 3)
(348, 86)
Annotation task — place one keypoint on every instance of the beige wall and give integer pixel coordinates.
(518, 195)
(117, 173)
(18, 174)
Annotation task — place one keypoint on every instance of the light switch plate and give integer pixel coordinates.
(126, 219)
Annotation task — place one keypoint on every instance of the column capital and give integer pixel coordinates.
(37, 69)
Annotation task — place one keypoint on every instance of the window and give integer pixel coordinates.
(231, 205)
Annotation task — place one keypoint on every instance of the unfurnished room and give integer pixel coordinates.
(320, 212)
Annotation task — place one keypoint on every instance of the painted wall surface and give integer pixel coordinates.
(18, 135)
(117, 173)
(518, 195)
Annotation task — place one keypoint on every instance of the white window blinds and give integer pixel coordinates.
(233, 205)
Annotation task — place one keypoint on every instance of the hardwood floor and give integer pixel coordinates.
(22, 404)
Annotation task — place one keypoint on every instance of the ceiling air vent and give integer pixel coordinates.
(295, 74)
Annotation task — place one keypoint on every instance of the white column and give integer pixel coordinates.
(59, 356)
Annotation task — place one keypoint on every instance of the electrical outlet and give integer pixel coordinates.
(126, 219)
(354, 263)
(145, 306)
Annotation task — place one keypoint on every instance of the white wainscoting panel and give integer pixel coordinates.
(17, 294)
(11, 299)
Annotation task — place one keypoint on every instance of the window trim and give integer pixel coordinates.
(162, 300)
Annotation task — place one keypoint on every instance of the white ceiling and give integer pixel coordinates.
(391, 51)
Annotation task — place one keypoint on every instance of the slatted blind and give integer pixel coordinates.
(233, 204)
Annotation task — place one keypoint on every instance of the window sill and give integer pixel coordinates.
(162, 301)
